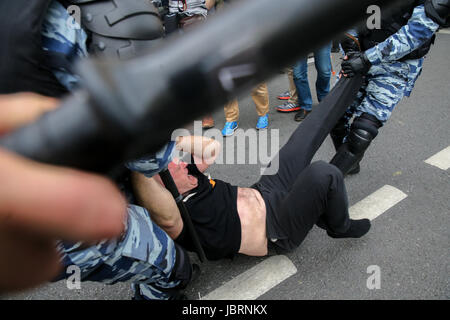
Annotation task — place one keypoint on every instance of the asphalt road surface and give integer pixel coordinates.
(403, 186)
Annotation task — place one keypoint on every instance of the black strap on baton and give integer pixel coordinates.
(167, 179)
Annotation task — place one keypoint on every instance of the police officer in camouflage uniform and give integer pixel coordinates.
(144, 254)
(392, 59)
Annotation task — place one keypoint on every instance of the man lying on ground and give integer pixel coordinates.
(279, 210)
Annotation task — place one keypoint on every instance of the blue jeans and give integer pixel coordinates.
(322, 59)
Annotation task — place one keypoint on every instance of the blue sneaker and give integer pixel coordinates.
(263, 122)
(229, 128)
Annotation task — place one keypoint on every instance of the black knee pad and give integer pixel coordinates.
(358, 140)
(363, 130)
(367, 123)
(352, 151)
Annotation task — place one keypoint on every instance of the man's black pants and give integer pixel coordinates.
(302, 194)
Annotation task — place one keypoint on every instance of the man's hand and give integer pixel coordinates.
(355, 63)
(204, 150)
(40, 204)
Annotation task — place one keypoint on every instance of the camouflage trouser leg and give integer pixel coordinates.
(145, 255)
(385, 87)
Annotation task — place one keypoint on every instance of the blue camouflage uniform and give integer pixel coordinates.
(63, 37)
(389, 79)
(144, 254)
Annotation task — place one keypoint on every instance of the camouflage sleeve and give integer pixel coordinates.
(65, 39)
(410, 37)
(154, 163)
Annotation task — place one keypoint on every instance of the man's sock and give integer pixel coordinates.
(357, 229)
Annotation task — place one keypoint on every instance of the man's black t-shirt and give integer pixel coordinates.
(212, 206)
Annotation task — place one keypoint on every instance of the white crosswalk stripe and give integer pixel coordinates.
(441, 159)
(255, 281)
(377, 203)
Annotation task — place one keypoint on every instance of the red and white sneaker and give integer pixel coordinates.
(284, 96)
(288, 107)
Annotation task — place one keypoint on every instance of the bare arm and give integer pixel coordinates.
(159, 202)
(204, 150)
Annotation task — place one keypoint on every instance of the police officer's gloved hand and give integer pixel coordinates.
(350, 43)
(357, 63)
